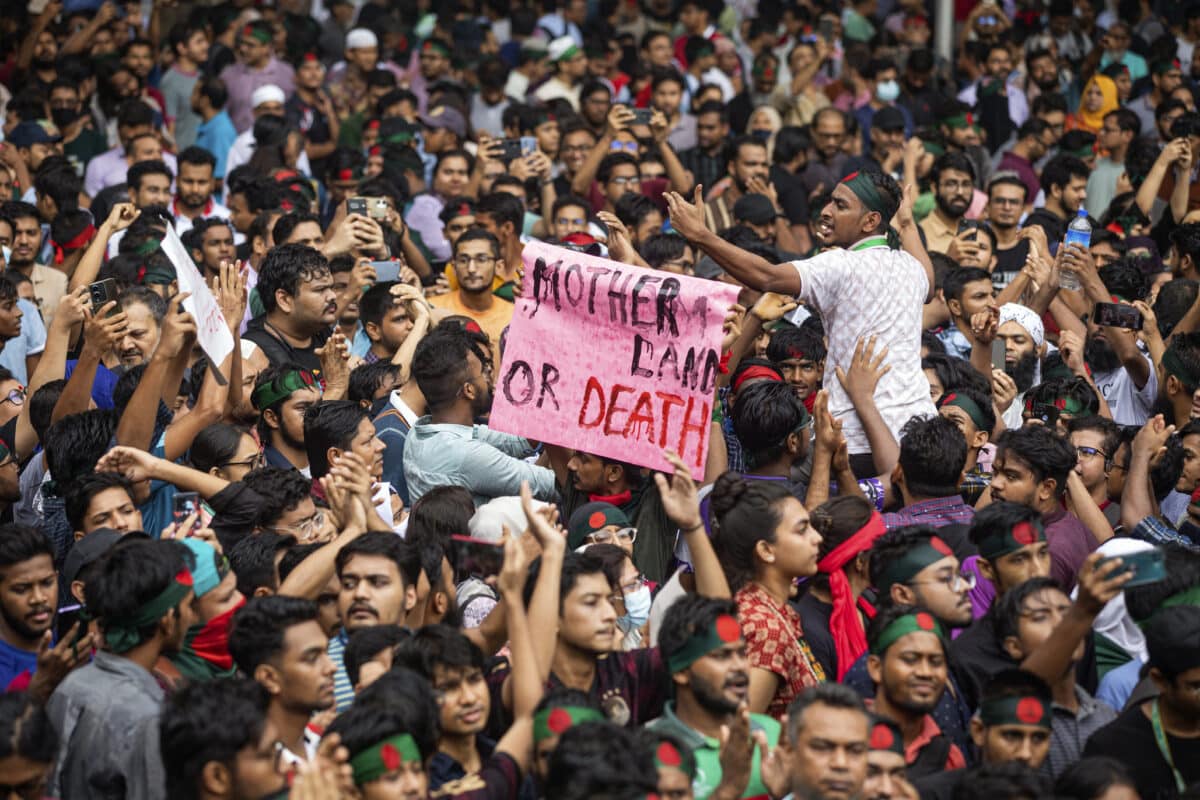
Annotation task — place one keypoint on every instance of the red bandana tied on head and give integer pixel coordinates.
(849, 638)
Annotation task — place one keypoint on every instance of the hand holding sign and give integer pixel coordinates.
(198, 300)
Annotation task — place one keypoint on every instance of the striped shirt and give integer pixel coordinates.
(343, 690)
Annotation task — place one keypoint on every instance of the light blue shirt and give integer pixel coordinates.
(1118, 684)
(216, 136)
(30, 342)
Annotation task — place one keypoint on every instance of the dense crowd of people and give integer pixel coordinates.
(261, 261)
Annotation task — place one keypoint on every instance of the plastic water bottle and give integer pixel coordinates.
(1078, 232)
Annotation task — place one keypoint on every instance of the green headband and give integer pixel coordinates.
(387, 756)
(724, 630)
(436, 47)
(160, 275)
(868, 193)
(917, 622)
(148, 247)
(1061, 405)
(1015, 711)
(122, 635)
(968, 405)
(1174, 365)
(556, 721)
(283, 387)
(885, 735)
(920, 556)
(669, 756)
(964, 119)
(1001, 543)
(570, 52)
(258, 34)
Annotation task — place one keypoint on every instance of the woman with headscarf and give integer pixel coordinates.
(1098, 99)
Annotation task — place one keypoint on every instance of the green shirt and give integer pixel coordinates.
(707, 751)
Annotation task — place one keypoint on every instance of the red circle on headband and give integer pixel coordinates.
(667, 755)
(940, 546)
(559, 720)
(924, 621)
(390, 757)
(1030, 710)
(597, 519)
(882, 738)
(1024, 534)
(728, 629)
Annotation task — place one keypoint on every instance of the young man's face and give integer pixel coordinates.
(940, 588)
(1013, 569)
(29, 596)
(305, 669)
(451, 177)
(373, 592)
(10, 326)
(217, 246)
(912, 673)
(651, 224)
(1089, 448)
(254, 767)
(954, 191)
(587, 472)
(976, 297)
(392, 329)
(1040, 615)
(155, 190)
(710, 131)
(111, 508)
(1013, 481)
(141, 336)
(962, 420)
(475, 265)
(195, 184)
(803, 374)
(239, 213)
(750, 161)
(1001, 744)
(575, 147)
(410, 781)
(464, 699)
(588, 620)
(225, 597)
(315, 302)
(886, 776)
(457, 226)
(1189, 479)
(570, 219)
(253, 52)
(623, 178)
(290, 417)
(1073, 195)
(367, 446)
(829, 756)
(667, 97)
(146, 148)
(27, 239)
(720, 681)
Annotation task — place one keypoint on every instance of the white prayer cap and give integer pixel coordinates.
(267, 94)
(361, 37)
(1027, 318)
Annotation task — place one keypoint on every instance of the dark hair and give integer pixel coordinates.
(933, 452)
(61, 183)
(999, 518)
(1174, 299)
(886, 615)
(1007, 179)
(25, 728)
(286, 267)
(765, 414)
(574, 566)
(1007, 609)
(1091, 777)
(1060, 170)
(143, 168)
(1048, 455)
(253, 560)
(76, 442)
(659, 248)
(438, 646)
(746, 513)
(197, 156)
(215, 445)
(790, 141)
(478, 235)
(280, 490)
(258, 629)
(440, 364)
(376, 302)
(387, 545)
(208, 721)
(601, 760)
(955, 281)
(686, 616)
(42, 403)
(367, 379)
(1125, 279)
(609, 162)
(401, 701)
(502, 207)
(129, 578)
(442, 512)
(1106, 427)
(79, 494)
(213, 88)
(833, 695)
(366, 643)
(892, 547)
(633, 208)
(1010, 780)
(951, 160)
(1015, 683)
(330, 423)
(1182, 567)
(287, 224)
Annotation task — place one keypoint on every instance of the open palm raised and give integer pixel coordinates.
(687, 218)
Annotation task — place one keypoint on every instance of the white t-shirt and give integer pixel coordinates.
(871, 290)
(1129, 404)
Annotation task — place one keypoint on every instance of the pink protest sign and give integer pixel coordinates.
(611, 359)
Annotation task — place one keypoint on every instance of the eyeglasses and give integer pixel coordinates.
(630, 146)
(483, 261)
(15, 396)
(610, 537)
(955, 582)
(254, 463)
(1089, 452)
(305, 529)
(636, 583)
(625, 181)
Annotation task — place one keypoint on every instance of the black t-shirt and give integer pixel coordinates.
(1130, 739)
(814, 620)
(792, 197)
(977, 657)
(940, 786)
(1009, 263)
(279, 352)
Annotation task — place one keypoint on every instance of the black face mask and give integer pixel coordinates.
(63, 117)
(43, 64)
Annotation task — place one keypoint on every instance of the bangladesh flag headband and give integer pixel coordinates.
(724, 630)
(885, 735)
(260, 35)
(558, 720)
(920, 556)
(122, 635)
(917, 622)
(283, 387)
(968, 405)
(1015, 711)
(669, 756)
(387, 756)
(1063, 405)
(1001, 543)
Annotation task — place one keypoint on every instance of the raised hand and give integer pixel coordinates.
(1152, 437)
(679, 496)
(866, 369)
(100, 331)
(1099, 583)
(55, 663)
(687, 218)
(984, 325)
(229, 287)
(179, 328)
(1070, 345)
(122, 216)
(904, 214)
(542, 522)
(514, 570)
(136, 465)
(1004, 390)
(620, 246)
(73, 308)
(335, 367)
(772, 306)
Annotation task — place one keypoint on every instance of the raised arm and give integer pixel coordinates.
(753, 271)
(418, 308)
(866, 368)
(682, 504)
(525, 681)
(100, 333)
(138, 465)
(910, 235)
(136, 427)
(120, 218)
(72, 309)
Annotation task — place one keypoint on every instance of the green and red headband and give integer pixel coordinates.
(431, 46)
(1000, 544)
(968, 405)
(1163, 67)
(962, 120)
(885, 735)
(1188, 597)
(558, 720)
(865, 190)
(669, 756)
(122, 635)
(916, 622)
(283, 387)
(1015, 710)
(1063, 405)
(918, 557)
(387, 756)
(725, 630)
(260, 35)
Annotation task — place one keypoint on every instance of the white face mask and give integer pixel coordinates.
(887, 91)
(637, 609)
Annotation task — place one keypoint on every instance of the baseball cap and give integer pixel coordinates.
(756, 209)
(29, 133)
(91, 548)
(445, 117)
(888, 118)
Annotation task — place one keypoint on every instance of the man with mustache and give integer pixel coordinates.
(705, 651)
(279, 642)
(194, 189)
(953, 178)
(908, 665)
(1021, 330)
(1120, 365)
(296, 289)
(28, 599)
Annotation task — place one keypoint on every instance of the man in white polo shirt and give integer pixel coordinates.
(864, 287)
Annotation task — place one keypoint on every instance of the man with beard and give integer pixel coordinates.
(477, 260)
(1021, 330)
(28, 599)
(967, 291)
(296, 290)
(1031, 468)
(1165, 77)
(282, 394)
(279, 642)
(1121, 365)
(866, 288)
(886, 153)
(1030, 147)
(829, 135)
(194, 189)
(134, 118)
(1064, 182)
(106, 714)
(445, 448)
(1008, 194)
(748, 168)
(908, 665)
(1181, 387)
(49, 284)
(705, 651)
(1044, 75)
(953, 178)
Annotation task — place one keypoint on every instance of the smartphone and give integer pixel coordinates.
(1146, 566)
(510, 149)
(65, 618)
(825, 29)
(987, 20)
(529, 145)
(377, 207)
(969, 225)
(476, 558)
(386, 271)
(999, 353)
(356, 205)
(1118, 315)
(641, 116)
(184, 504)
(1045, 412)
(102, 292)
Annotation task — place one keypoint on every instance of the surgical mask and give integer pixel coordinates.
(637, 609)
(887, 92)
